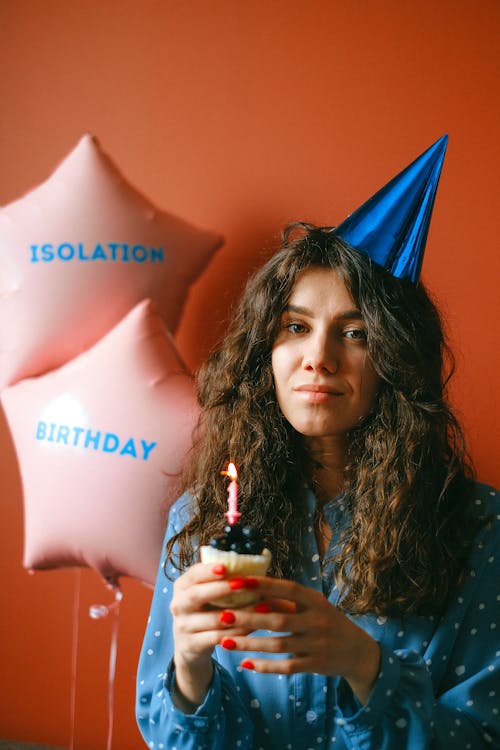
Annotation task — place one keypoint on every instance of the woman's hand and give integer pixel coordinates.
(197, 628)
(317, 636)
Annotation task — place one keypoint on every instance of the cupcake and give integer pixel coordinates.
(241, 550)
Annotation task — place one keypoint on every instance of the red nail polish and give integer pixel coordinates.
(236, 583)
(263, 607)
(251, 583)
(219, 570)
(247, 664)
(228, 643)
(227, 617)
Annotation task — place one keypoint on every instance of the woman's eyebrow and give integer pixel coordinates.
(298, 309)
(353, 314)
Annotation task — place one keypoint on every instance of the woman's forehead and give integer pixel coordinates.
(317, 283)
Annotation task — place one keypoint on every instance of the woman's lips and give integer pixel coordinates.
(319, 388)
(317, 394)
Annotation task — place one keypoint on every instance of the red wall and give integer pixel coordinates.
(240, 116)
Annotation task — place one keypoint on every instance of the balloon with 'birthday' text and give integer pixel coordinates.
(77, 253)
(101, 442)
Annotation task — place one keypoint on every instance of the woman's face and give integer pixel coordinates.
(324, 379)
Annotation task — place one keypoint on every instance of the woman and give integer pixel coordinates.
(376, 625)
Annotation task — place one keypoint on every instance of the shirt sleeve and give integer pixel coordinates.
(403, 714)
(416, 704)
(221, 721)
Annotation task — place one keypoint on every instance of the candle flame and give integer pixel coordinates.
(231, 472)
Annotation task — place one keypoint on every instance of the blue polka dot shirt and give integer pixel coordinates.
(438, 686)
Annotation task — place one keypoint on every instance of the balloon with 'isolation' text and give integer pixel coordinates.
(77, 253)
(100, 443)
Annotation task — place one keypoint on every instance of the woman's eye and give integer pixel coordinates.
(295, 327)
(359, 334)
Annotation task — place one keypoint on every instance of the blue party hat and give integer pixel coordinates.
(391, 227)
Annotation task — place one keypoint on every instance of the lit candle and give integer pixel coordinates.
(232, 513)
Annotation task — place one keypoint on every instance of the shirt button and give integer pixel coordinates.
(311, 716)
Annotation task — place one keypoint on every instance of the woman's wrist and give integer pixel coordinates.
(181, 702)
(362, 679)
(190, 684)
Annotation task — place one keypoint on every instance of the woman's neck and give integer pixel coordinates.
(327, 466)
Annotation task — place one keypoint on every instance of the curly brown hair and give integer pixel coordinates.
(408, 482)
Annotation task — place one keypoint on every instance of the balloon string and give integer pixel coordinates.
(97, 611)
(74, 657)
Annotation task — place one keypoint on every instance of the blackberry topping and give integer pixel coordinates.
(241, 539)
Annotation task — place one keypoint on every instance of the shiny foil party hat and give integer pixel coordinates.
(391, 227)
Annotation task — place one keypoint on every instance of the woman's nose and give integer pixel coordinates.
(321, 355)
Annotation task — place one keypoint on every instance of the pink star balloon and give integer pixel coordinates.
(100, 443)
(77, 253)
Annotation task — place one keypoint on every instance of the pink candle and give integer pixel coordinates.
(232, 513)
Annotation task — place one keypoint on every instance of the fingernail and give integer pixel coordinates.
(227, 617)
(247, 664)
(251, 583)
(228, 643)
(236, 583)
(219, 570)
(262, 607)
